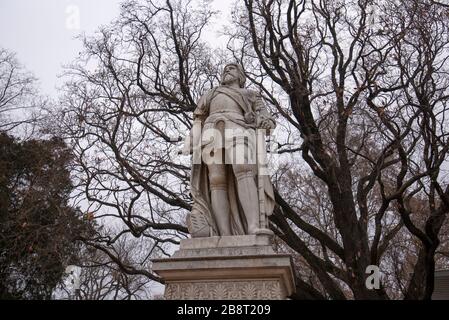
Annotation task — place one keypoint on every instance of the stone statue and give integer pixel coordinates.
(230, 255)
(232, 193)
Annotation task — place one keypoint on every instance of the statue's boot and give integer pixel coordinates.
(220, 206)
(247, 190)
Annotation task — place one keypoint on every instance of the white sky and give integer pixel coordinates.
(37, 31)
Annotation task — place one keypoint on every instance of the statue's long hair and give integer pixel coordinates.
(242, 77)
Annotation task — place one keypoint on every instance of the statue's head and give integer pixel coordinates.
(233, 72)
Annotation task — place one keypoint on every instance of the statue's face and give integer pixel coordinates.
(230, 74)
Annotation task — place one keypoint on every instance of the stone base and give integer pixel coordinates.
(228, 268)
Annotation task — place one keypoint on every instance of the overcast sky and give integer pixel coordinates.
(42, 32)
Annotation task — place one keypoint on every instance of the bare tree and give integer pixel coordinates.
(100, 278)
(368, 94)
(126, 116)
(20, 102)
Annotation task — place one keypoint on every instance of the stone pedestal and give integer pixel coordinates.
(228, 268)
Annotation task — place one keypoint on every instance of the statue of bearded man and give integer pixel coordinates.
(231, 194)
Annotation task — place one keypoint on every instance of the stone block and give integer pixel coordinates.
(237, 267)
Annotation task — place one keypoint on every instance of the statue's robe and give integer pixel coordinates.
(201, 221)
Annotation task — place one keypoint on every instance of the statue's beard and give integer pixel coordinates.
(228, 79)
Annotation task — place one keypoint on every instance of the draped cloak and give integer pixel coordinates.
(201, 220)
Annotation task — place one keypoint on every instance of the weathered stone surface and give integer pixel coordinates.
(243, 267)
(214, 252)
(225, 290)
(230, 184)
(230, 241)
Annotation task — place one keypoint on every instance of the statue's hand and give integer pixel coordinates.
(267, 124)
(250, 117)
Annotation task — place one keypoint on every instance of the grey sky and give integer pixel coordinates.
(37, 31)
